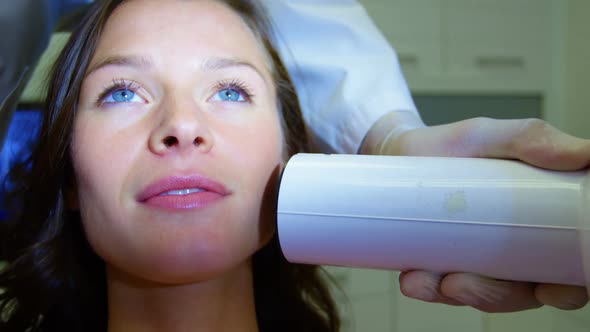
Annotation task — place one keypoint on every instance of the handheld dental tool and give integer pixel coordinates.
(499, 218)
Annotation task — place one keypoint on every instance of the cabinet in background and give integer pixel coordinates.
(477, 46)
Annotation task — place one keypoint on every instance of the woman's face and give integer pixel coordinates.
(177, 141)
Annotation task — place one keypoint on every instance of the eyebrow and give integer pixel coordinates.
(140, 62)
(214, 64)
(120, 60)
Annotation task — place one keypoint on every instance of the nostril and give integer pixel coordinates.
(170, 141)
(198, 141)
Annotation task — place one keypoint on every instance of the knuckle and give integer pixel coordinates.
(534, 123)
(534, 137)
(534, 127)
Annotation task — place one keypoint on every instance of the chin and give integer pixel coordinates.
(188, 263)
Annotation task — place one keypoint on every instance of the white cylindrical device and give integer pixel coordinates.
(499, 218)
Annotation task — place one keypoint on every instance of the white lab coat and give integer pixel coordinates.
(345, 72)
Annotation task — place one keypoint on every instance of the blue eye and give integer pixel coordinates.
(121, 96)
(230, 95)
(233, 91)
(121, 91)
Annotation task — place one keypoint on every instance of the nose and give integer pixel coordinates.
(182, 127)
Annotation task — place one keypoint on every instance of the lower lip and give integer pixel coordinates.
(184, 202)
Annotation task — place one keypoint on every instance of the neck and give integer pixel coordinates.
(223, 304)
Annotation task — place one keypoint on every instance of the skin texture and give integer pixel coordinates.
(530, 140)
(174, 270)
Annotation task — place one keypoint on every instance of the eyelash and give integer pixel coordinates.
(236, 85)
(117, 84)
(122, 84)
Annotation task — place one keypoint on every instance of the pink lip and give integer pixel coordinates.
(212, 191)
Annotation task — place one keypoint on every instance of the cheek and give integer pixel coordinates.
(256, 146)
(263, 151)
(269, 180)
(257, 155)
(269, 201)
(101, 159)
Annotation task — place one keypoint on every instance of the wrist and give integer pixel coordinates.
(384, 137)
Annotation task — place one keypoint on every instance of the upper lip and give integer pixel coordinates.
(181, 182)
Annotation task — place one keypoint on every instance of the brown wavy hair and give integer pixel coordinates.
(55, 282)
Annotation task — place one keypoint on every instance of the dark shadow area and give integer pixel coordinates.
(441, 109)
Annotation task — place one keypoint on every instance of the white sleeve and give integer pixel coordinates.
(346, 73)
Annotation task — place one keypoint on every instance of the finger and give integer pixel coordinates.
(424, 286)
(530, 140)
(489, 295)
(562, 296)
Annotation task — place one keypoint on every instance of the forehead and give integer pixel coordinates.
(164, 13)
(177, 28)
